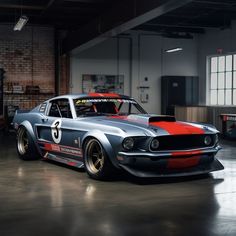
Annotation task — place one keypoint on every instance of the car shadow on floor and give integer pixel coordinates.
(123, 176)
(166, 180)
(81, 170)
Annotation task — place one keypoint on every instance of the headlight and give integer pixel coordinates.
(128, 143)
(217, 139)
(207, 140)
(155, 144)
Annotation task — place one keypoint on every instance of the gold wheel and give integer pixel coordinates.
(22, 141)
(95, 156)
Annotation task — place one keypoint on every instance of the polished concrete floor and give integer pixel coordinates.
(43, 198)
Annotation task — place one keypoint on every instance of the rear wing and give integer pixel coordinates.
(21, 111)
(17, 116)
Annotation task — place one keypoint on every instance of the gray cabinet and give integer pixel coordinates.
(178, 90)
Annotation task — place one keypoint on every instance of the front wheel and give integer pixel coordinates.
(25, 146)
(96, 162)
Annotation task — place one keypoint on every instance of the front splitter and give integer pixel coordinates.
(150, 172)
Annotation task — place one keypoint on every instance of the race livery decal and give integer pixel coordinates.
(61, 149)
(56, 131)
(96, 100)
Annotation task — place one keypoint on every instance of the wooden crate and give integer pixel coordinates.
(192, 114)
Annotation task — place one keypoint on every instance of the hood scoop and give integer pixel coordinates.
(147, 119)
(162, 118)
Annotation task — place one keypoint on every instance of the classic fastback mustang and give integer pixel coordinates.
(107, 132)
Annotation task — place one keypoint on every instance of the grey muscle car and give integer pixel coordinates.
(104, 133)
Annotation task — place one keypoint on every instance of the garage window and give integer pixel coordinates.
(223, 80)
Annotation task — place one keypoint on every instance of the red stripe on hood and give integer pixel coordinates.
(177, 128)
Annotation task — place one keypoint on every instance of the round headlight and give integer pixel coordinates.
(155, 144)
(128, 143)
(217, 139)
(207, 140)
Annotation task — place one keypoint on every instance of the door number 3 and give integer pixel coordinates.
(56, 131)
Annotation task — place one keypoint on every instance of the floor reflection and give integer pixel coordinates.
(64, 201)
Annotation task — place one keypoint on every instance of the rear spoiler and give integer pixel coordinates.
(18, 111)
(21, 111)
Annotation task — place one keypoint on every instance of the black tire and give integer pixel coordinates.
(25, 145)
(96, 162)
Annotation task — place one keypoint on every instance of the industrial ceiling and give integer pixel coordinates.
(85, 20)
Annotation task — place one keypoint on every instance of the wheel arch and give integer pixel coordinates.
(101, 137)
(27, 125)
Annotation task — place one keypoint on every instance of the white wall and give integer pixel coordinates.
(181, 63)
(143, 56)
(155, 62)
(102, 59)
(148, 60)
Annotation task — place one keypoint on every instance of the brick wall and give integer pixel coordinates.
(28, 59)
(64, 74)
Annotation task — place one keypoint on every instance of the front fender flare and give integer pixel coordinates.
(102, 138)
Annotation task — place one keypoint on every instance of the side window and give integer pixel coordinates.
(54, 110)
(60, 108)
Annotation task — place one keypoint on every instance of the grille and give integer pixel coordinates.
(182, 142)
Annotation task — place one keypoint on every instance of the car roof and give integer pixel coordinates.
(92, 95)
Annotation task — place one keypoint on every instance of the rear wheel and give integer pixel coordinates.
(25, 146)
(96, 162)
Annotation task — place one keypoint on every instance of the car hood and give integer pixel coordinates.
(152, 125)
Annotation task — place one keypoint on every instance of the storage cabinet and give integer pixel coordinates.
(178, 90)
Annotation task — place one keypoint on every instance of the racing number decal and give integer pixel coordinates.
(56, 131)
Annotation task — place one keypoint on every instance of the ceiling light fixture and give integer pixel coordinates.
(21, 23)
(174, 50)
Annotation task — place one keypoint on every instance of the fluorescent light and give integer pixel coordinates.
(174, 49)
(20, 23)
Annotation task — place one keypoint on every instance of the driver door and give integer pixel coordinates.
(56, 135)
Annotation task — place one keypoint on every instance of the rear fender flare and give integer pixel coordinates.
(27, 125)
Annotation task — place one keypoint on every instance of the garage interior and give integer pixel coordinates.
(165, 54)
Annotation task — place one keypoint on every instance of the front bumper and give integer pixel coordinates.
(171, 163)
(167, 154)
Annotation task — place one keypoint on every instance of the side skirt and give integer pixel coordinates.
(64, 160)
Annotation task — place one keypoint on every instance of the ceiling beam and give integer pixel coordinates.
(220, 3)
(85, 1)
(50, 5)
(170, 28)
(123, 16)
(53, 3)
(23, 7)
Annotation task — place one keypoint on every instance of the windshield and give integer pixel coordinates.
(106, 106)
